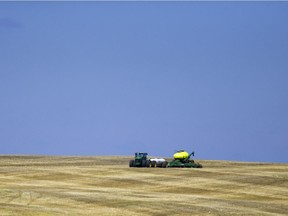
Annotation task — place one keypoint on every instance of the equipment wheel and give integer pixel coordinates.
(164, 164)
(153, 163)
(143, 163)
(147, 163)
(131, 163)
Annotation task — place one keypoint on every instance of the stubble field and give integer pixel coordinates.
(43, 185)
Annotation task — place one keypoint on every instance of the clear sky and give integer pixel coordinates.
(112, 78)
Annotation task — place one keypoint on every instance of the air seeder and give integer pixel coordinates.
(182, 159)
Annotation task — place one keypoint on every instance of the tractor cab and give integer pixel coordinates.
(141, 155)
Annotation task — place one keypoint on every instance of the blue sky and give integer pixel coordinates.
(112, 78)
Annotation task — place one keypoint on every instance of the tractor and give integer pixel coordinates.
(140, 160)
(182, 159)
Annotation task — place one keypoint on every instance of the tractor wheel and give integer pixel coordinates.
(143, 164)
(147, 163)
(131, 163)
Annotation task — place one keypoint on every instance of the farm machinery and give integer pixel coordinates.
(158, 162)
(181, 159)
(140, 160)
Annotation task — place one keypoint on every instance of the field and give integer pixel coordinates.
(43, 185)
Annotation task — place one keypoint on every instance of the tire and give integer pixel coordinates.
(147, 163)
(131, 163)
(164, 164)
(153, 163)
(143, 164)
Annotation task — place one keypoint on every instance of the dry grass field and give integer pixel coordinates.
(43, 185)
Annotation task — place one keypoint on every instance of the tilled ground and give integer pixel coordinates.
(43, 185)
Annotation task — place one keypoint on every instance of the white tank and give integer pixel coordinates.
(158, 160)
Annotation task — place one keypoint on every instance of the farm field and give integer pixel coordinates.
(105, 185)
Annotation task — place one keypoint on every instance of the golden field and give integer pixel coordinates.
(58, 185)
